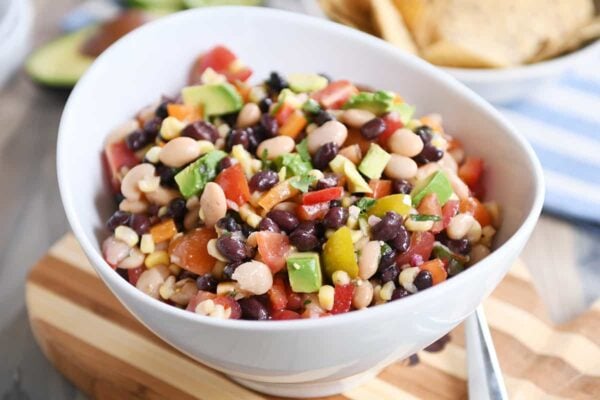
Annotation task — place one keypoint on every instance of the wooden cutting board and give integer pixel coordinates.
(90, 337)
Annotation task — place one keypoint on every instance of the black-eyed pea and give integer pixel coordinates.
(356, 118)
(249, 115)
(254, 277)
(162, 196)
(275, 147)
(368, 260)
(129, 184)
(459, 226)
(179, 152)
(213, 204)
(405, 143)
(363, 294)
(329, 132)
(400, 167)
(185, 289)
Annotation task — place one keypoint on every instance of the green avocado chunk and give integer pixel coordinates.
(195, 176)
(380, 102)
(306, 82)
(436, 183)
(60, 63)
(304, 272)
(373, 164)
(343, 166)
(157, 5)
(216, 99)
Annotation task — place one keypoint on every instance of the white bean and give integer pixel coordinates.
(129, 185)
(400, 167)
(162, 196)
(114, 250)
(330, 131)
(478, 253)
(356, 118)
(369, 259)
(213, 204)
(363, 295)
(135, 259)
(151, 279)
(405, 143)
(276, 147)
(179, 152)
(185, 289)
(459, 226)
(249, 115)
(133, 206)
(254, 277)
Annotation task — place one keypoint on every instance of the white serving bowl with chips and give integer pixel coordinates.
(300, 358)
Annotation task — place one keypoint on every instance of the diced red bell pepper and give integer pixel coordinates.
(471, 171)
(342, 298)
(392, 123)
(221, 60)
(278, 294)
(448, 211)
(284, 314)
(472, 206)
(436, 269)
(117, 156)
(421, 245)
(431, 206)
(335, 94)
(229, 303)
(319, 196)
(273, 249)
(312, 212)
(234, 183)
(380, 188)
(133, 274)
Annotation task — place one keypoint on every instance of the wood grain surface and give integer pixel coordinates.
(90, 338)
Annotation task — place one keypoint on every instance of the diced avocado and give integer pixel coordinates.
(306, 82)
(436, 183)
(206, 3)
(60, 63)
(405, 111)
(398, 203)
(158, 5)
(356, 183)
(215, 99)
(304, 272)
(381, 102)
(194, 177)
(310, 106)
(373, 164)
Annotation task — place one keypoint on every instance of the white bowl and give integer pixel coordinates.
(502, 86)
(305, 357)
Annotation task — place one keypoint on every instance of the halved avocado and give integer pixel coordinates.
(60, 63)
(157, 5)
(205, 3)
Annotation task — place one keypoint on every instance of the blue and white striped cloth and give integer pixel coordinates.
(561, 120)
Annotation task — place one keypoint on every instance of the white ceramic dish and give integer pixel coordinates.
(16, 20)
(307, 357)
(501, 86)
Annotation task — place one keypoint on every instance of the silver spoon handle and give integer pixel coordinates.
(485, 376)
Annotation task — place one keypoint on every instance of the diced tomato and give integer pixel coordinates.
(284, 314)
(133, 274)
(436, 269)
(342, 299)
(234, 183)
(295, 301)
(471, 171)
(190, 253)
(278, 294)
(354, 137)
(117, 156)
(223, 61)
(283, 113)
(380, 188)
(421, 244)
(335, 94)
(294, 124)
(476, 209)
(319, 196)
(431, 206)
(392, 123)
(312, 212)
(448, 211)
(229, 303)
(273, 249)
(199, 298)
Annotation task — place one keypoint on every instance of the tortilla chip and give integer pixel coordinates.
(389, 24)
(450, 54)
(355, 13)
(421, 17)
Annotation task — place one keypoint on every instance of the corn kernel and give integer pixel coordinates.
(326, 296)
(127, 235)
(171, 128)
(418, 226)
(147, 244)
(386, 291)
(175, 269)
(282, 174)
(407, 278)
(162, 211)
(205, 307)
(160, 257)
(223, 130)
(149, 184)
(256, 165)
(225, 288)
(249, 216)
(316, 173)
(257, 93)
(205, 146)
(152, 154)
(311, 127)
(487, 235)
(347, 201)
(211, 247)
(340, 278)
(167, 289)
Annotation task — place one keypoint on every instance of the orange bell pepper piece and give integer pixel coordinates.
(278, 193)
(436, 269)
(476, 209)
(185, 113)
(295, 123)
(380, 187)
(163, 231)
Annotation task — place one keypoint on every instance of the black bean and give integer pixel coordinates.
(269, 125)
(161, 110)
(425, 133)
(304, 237)
(329, 180)
(230, 118)
(388, 227)
(118, 198)
(167, 175)
(430, 153)
(152, 127)
(247, 230)
(253, 309)
(335, 217)
(207, 283)
(389, 274)
(401, 186)
(265, 105)
(322, 117)
(117, 219)
(201, 130)
(232, 249)
(176, 209)
(137, 139)
(324, 155)
(238, 136)
(423, 280)
(276, 82)
(335, 203)
(373, 128)
(284, 219)
(399, 293)
(140, 223)
(267, 224)
(460, 246)
(230, 269)
(225, 163)
(263, 180)
(229, 223)
(402, 240)
(388, 257)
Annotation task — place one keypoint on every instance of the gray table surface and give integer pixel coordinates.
(563, 256)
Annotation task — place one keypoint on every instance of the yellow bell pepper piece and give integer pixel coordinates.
(399, 203)
(338, 253)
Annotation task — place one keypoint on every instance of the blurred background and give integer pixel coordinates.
(543, 74)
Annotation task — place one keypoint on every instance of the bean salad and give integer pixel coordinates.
(301, 196)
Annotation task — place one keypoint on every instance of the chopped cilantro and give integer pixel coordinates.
(303, 182)
(302, 149)
(424, 217)
(310, 106)
(307, 302)
(294, 164)
(364, 203)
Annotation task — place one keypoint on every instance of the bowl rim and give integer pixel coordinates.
(325, 26)
(535, 70)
